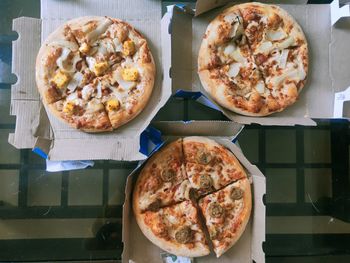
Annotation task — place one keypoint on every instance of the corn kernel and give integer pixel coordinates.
(113, 105)
(129, 48)
(84, 48)
(101, 67)
(130, 74)
(69, 107)
(61, 79)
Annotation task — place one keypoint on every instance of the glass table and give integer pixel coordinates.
(76, 215)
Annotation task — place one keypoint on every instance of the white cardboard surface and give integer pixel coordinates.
(329, 57)
(64, 142)
(137, 248)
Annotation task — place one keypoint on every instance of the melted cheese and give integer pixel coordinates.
(121, 95)
(87, 92)
(65, 44)
(117, 77)
(234, 70)
(279, 34)
(237, 27)
(264, 47)
(285, 43)
(183, 191)
(72, 97)
(63, 57)
(61, 60)
(118, 47)
(283, 58)
(100, 29)
(91, 63)
(260, 87)
(237, 55)
(229, 49)
(75, 82)
(94, 105)
(99, 90)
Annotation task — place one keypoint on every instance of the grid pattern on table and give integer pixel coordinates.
(78, 217)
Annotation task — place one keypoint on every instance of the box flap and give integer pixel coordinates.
(24, 94)
(340, 58)
(23, 62)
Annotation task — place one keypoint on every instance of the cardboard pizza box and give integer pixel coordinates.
(327, 29)
(137, 248)
(39, 129)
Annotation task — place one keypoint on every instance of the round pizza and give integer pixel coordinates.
(253, 59)
(95, 73)
(191, 192)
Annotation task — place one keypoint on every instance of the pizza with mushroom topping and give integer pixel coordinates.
(253, 59)
(209, 165)
(226, 214)
(171, 185)
(162, 181)
(175, 229)
(95, 73)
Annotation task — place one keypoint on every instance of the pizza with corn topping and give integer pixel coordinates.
(95, 73)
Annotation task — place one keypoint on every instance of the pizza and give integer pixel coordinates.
(170, 192)
(253, 59)
(226, 214)
(95, 73)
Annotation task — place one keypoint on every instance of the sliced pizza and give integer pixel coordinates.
(163, 180)
(253, 59)
(226, 214)
(209, 165)
(175, 229)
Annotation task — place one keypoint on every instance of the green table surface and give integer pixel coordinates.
(76, 215)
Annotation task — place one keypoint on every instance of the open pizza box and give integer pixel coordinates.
(137, 248)
(54, 139)
(327, 29)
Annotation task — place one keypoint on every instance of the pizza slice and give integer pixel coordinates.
(162, 181)
(209, 165)
(227, 68)
(222, 41)
(226, 214)
(280, 51)
(176, 229)
(58, 62)
(285, 75)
